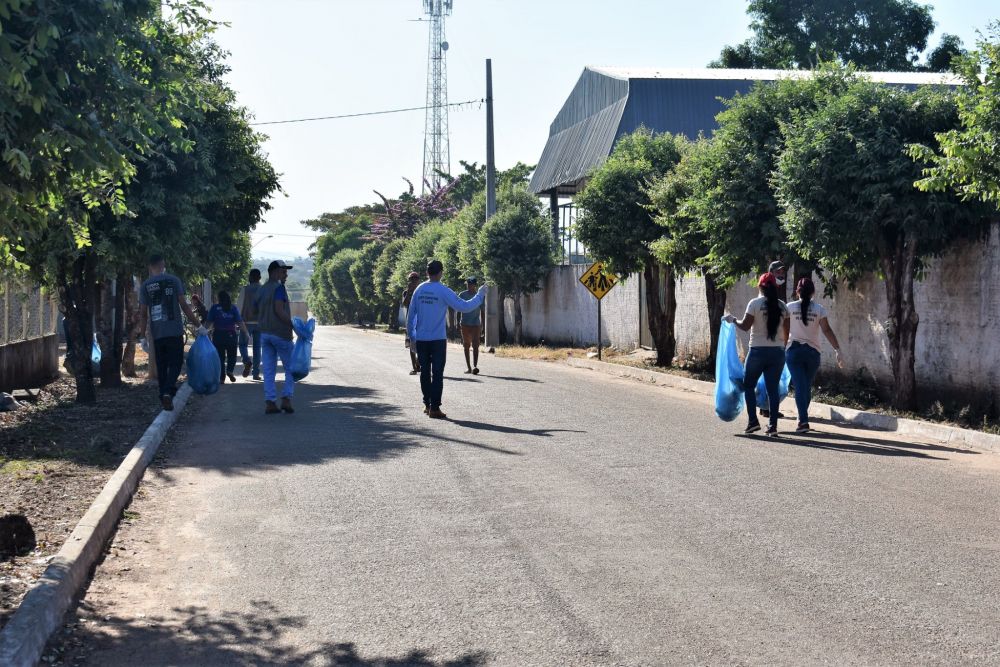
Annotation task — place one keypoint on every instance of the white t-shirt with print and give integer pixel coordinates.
(805, 332)
(758, 331)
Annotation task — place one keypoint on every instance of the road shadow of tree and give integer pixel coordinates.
(230, 433)
(193, 635)
(497, 428)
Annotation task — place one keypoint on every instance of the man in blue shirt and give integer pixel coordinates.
(425, 325)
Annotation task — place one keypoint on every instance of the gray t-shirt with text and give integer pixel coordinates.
(161, 294)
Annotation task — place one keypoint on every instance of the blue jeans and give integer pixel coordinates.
(769, 361)
(255, 333)
(432, 355)
(273, 348)
(803, 362)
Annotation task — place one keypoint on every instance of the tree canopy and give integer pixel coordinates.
(878, 35)
(967, 158)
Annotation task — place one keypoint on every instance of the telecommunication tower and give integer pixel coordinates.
(437, 155)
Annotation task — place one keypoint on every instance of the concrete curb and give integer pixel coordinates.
(950, 435)
(23, 638)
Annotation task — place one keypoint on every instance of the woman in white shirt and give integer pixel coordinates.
(763, 319)
(806, 319)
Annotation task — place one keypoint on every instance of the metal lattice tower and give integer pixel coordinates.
(437, 154)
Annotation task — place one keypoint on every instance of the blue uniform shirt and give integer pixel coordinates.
(425, 318)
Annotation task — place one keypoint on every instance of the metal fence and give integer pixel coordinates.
(571, 251)
(26, 311)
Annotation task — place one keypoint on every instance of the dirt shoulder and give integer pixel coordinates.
(55, 457)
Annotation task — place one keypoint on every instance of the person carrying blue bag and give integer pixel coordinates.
(274, 315)
(764, 319)
(161, 300)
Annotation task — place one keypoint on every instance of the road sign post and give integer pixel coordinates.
(598, 282)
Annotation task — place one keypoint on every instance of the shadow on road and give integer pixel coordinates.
(229, 432)
(542, 432)
(193, 636)
(860, 445)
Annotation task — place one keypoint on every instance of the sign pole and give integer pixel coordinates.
(494, 308)
(599, 329)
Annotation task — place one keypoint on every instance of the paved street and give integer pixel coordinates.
(560, 517)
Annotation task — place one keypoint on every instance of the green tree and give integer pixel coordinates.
(518, 249)
(683, 245)
(415, 253)
(617, 226)
(887, 35)
(362, 271)
(732, 197)
(382, 279)
(968, 157)
(846, 184)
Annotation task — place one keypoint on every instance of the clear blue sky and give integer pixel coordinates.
(301, 58)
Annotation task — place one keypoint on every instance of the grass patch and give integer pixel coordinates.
(543, 352)
(17, 466)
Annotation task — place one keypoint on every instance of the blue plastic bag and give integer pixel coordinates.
(298, 366)
(203, 366)
(95, 356)
(728, 375)
(761, 391)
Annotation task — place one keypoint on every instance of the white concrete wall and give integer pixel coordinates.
(958, 301)
(565, 313)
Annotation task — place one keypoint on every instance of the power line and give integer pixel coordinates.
(366, 113)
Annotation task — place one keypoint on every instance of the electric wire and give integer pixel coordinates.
(366, 113)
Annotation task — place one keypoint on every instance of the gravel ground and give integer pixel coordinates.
(55, 456)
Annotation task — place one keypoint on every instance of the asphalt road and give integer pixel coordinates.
(559, 517)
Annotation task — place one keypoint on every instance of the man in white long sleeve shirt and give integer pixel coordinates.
(426, 327)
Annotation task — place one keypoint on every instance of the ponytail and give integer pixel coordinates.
(773, 309)
(805, 289)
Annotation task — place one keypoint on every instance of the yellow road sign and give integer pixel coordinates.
(598, 281)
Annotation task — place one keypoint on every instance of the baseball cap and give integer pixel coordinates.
(766, 279)
(776, 265)
(412, 275)
(472, 279)
(278, 264)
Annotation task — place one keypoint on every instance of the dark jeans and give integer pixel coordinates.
(169, 359)
(432, 354)
(769, 361)
(803, 362)
(255, 334)
(225, 344)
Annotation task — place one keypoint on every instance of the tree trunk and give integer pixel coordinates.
(76, 297)
(518, 319)
(716, 301)
(899, 267)
(131, 312)
(502, 298)
(661, 312)
(104, 304)
(397, 303)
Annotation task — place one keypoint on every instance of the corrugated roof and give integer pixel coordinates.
(706, 73)
(607, 102)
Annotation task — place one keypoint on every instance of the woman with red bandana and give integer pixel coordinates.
(764, 319)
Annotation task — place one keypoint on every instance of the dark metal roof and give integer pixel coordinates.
(608, 102)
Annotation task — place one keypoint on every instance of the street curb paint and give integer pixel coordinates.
(950, 435)
(23, 639)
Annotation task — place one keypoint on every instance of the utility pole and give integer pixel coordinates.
(494, 309)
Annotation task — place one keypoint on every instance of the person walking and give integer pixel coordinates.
(471, 325)
(274, 315)
(224, 320)
(778, 269)
(248, 309)
(161, 300)
(763, 318)
(425, 325)
(806, 318)
(412, 280)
